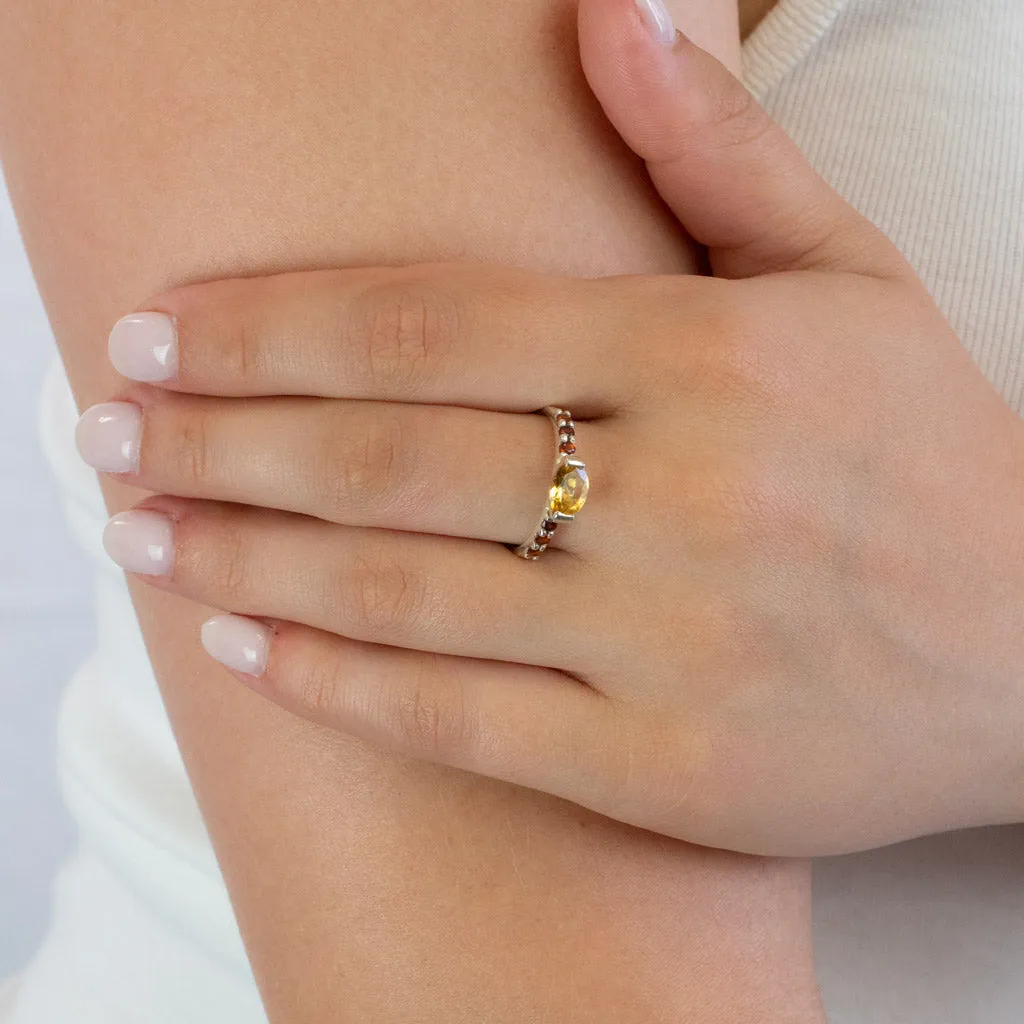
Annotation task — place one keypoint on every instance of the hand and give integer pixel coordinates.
(787, 620)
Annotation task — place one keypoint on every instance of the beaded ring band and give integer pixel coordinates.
(569, 488)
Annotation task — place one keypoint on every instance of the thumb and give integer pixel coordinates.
(732, 176)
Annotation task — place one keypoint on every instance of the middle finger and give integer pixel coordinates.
(437, 594)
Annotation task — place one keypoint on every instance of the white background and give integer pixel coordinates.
(45, 616)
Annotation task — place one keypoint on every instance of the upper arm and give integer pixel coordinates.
(147, 144)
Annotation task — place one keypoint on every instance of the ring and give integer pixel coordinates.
(569, 487)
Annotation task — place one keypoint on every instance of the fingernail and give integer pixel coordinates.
(658, 20)
(108, 435)
(237, 642)
(141, 541)
(144, 346)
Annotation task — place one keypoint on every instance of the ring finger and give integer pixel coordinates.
(436, 469)
(436, 594)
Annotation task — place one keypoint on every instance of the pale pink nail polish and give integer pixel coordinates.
(237, 642)
(108, 437)
(141, 541)
(658, 19)
(144, 346)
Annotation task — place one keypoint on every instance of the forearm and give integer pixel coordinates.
(148, 145)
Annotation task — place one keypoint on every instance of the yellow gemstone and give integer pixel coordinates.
(569, 490)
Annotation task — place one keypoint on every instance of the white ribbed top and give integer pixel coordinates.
(784, 39)
(914, 110)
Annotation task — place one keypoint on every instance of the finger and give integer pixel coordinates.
(522, 724)
(485, 336)
(526, 725)
(735, 180)
(438, 594)
(426, 468)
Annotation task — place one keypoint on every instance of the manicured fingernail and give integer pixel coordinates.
(237, 642)
(108, 435)
(658, 20)
(141, 541)
(144, 346)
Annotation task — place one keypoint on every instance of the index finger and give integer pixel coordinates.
(484, 336)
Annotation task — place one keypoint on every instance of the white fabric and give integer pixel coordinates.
(8, 993)
(915, 110)
(45, 617)
(142, 926)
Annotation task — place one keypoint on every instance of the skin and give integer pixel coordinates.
(390, 890)
(751, 14)
(802, 499)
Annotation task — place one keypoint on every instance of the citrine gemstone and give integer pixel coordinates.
(569, 490)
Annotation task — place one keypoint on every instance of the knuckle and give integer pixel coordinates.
(227, 565)
(652, 335)
(314, 678)
(403, 329)
(234, 309)
(735, 118)
(719, 118)
(380, 596)
(739, 505)
(428, 716)
(191, 453)
(370, 472)
(221, 328)
(738, 361)
(245, 352)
